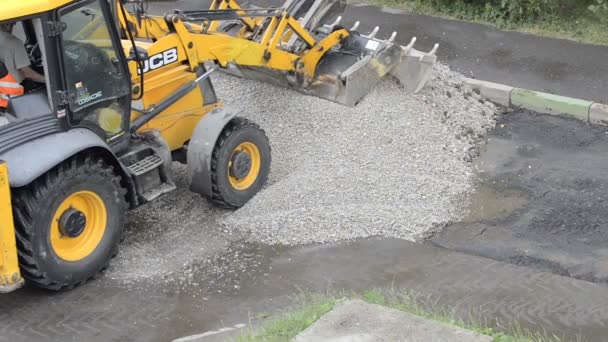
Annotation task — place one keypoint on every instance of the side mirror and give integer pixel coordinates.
(137, 53)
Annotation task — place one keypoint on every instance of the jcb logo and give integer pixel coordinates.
(159, 60)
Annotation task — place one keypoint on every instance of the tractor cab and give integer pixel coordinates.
(87, 82)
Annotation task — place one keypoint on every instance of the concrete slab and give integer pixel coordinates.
(598, 114)
(356, 320)
(550, 104)
(220, 335)
(498, 93)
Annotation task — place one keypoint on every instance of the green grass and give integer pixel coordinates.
(582, 26)
(287, 327)
(313, 307)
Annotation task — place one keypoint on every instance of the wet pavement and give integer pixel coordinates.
(523, 60)
(542, 198)
(106, 311)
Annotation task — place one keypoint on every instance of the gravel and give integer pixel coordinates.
(396, 165)
(169, 235)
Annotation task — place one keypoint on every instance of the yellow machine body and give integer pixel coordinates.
(285, 46)
(10, 278)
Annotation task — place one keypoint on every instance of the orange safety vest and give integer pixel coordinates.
(8, 87)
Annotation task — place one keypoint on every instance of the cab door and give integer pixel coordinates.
(96, 77)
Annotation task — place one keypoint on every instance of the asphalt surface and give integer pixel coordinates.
(542, 197)
(273, 277)
(523, 60)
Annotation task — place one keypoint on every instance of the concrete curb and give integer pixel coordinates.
(550, 104)
(598, 114)
(494, 92)
(594, 113)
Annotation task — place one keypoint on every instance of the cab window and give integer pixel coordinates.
(97, 84)
(36, 99)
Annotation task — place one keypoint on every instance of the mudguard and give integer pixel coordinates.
(31, 160)
(200, 148)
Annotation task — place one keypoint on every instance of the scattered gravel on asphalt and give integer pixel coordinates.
(166, 236)
(396, 165)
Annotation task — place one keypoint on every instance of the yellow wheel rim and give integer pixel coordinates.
(75, 248)
(244, 182)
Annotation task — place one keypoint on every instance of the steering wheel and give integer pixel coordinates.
(86, 57)
(35, 55)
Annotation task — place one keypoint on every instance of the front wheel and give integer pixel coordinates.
(69, 223)
(240, 164)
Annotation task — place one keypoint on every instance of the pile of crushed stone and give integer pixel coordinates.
(396, 165)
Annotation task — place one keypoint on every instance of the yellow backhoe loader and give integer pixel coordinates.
(127, 94)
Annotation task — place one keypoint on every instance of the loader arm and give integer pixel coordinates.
(271, 45)
(211, 45)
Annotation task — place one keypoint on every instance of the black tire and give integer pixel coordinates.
(35, 206)
(236, 132)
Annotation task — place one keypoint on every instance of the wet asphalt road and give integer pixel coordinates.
(545, 64)
(106, 311)
(542, 198)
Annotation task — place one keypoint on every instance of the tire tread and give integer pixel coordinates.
(236, 124)
(27, 199)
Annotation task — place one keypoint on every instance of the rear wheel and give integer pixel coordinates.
(69, 223)
(240, 163)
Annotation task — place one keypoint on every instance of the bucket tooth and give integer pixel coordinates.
(374, 32)
(337, 22)
(411, 44)
(355, 26)
(392, 37)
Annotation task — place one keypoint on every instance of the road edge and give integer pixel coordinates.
(588, 111)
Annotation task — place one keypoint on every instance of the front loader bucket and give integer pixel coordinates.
(346, 79)
(348, 74)
(415, 68)
(341, 78)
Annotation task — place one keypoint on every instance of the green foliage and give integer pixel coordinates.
(506, 13)
(580, 20)
(292, 323)
(599, 7)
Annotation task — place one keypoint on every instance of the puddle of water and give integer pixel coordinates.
(489, 203)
